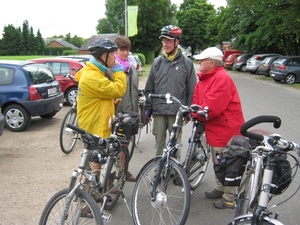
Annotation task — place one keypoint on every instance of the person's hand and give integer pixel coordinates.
(118, 67)
(148, 114)
(117, 102)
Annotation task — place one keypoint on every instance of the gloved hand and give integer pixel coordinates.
(118, 67)
(148, 113)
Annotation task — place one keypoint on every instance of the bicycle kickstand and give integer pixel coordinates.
(123, 196)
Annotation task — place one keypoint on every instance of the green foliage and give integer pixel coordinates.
(149, 55)
(55, 50)
(70, 52)
(142, 58)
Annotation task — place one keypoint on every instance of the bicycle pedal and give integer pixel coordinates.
(106, 217)
(193, 194)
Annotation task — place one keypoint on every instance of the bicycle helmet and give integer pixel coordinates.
(102, 46)
(170, 32)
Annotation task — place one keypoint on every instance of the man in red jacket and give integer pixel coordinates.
(217, 91)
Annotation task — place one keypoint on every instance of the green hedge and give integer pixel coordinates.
(55, 50)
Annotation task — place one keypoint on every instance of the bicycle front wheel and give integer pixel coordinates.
(171, 205)
(55, 208)
(138, 135)
(198, 161)
(67, 136)
(131, 147)
(246, 220)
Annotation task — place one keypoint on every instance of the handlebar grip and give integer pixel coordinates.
(161, 96)
(256, 120)
(79, 130)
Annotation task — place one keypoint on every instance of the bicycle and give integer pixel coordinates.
(107, 189)
(162, 192)
(257, 187)
(68, 137)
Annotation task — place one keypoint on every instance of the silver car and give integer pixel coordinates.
(254, 62)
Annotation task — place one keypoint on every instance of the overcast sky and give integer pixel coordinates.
(59, 17)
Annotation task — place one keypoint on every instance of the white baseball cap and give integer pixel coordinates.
(211, 52)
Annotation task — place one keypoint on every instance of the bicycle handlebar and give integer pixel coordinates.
(256, 120)
(79, 130)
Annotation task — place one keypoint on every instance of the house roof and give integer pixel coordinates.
(86, 45)
(64, 43)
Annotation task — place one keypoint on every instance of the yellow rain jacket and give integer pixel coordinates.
(95, 100)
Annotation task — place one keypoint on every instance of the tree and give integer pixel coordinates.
(194, 14)
(11, 41)
(104, 27)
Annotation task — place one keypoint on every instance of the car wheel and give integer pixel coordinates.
(290, 79)
(253, 72)
(16, 118)
(71, 95)
(231, 67)
(243, 68)
(48, 115)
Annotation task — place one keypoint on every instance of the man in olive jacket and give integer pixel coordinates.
(172, 73)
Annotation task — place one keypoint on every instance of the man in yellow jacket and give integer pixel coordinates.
(97, 90)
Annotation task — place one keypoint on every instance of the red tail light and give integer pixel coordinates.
(239, 60)
(257, 57)
(34, 94)
(281, 67)
(137, 67)
(267, 66)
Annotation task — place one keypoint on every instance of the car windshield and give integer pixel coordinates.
(39, 73)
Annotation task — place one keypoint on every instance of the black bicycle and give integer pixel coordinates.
(162, 193)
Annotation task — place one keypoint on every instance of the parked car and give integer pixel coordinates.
(240, 62)
(229, 61)
(226, 53)
(254, 62)
(135, 60)
(84, 58)
(61, 67)
(265, 66)
(2, 123)
(287, 69)
(27, 89)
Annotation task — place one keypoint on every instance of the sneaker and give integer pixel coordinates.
(214, 194)
(130, 177)
(222, 204)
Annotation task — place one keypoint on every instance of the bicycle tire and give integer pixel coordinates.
(67, 136)
(116, 175)
(170, 207)
(138, 135)
(131, 147)
(245, 197)
(198, 161)
(54, 209)
(246, 220)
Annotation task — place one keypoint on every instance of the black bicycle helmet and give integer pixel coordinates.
(101, 46)
(170, 32)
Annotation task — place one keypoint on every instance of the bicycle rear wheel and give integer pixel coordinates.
(115, 178)
(67, 136)
(198, 161)
(131, 147)
(138, 135)
(54, 210)
(170, 206)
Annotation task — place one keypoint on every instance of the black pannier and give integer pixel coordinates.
(129, 124)
(229, 166)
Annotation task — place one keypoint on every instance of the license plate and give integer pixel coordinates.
(52, 91)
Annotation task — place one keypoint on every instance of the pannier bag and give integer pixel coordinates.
(282, 174)
(229, 166)
(129, 124)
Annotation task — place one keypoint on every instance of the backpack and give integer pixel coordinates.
(229, 166)
(129, 125)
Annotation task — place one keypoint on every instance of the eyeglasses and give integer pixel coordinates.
(167, 41)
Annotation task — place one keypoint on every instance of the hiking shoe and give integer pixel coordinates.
(214, 194)
(130, 177)
(222, 204)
